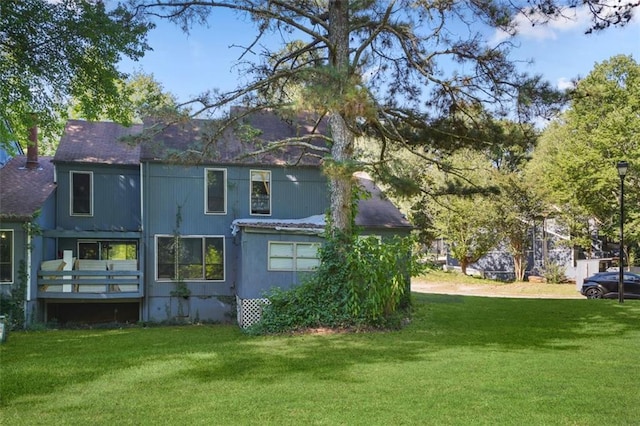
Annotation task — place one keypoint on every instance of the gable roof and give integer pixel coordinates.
(243, 143)
(377, 211)
(190, 141)
(24, 190)
(97, 142)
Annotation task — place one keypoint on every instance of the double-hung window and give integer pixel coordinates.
(215, 191)
(192, 258)
(6, 256)
(81, 194)
(260, 192)
(293, 256)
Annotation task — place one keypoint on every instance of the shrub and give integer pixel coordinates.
(361, 282)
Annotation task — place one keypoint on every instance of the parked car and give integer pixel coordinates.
(605, 286)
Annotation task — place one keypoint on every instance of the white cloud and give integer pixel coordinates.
(572, 19)
(564, 83)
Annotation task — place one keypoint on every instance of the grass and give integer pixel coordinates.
(456, 280)
(462, 360)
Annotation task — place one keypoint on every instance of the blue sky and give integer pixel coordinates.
(189, 64)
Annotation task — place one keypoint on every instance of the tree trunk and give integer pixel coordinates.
(518, 267)
(342, 148)
(463, 266)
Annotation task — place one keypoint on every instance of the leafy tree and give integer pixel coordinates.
(142, 96)
(575, 162)
(370, 69)
(465, 214)
(518, 207)
(53, 51)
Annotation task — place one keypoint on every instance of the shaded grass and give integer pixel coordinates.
(462, 360)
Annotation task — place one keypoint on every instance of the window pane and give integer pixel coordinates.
(307, 250)
(282, 250)
(282, 264)
(215, 191)
(81, 193)
(88, 250)
(214, 258)
(119, 250)
(165, 254)
(303, 264)
(190, 258)
(6, 256)
(260, 192)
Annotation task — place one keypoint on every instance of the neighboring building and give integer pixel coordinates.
(131, 225)
(549, 246)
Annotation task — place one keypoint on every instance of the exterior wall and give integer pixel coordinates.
(172, 190)
(19, 253)
(28, 254)
(256, 278)
(116, 198)
(41, 249)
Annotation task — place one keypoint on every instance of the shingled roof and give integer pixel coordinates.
(97, 142)
(24, 190)
(191, 141)
(243, 143)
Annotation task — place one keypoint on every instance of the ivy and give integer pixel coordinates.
(362, 282)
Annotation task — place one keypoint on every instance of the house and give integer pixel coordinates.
(549, 245)
(27, 205)
(181, 225)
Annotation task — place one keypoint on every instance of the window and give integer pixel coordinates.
(215, 191)
(6, 256)
(190, 258)
(82, 193)
(260, 192)
(293, 256)
(108, 250)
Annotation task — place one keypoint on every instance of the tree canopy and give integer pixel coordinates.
(51, 52)
(373, 69)
(576, 159)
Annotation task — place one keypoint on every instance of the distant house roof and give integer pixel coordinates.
(97, 143)
(377, 211)
(24, 190)
(191, 141)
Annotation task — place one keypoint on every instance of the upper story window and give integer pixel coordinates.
(215, 191)
(193, 258)
(260, 192)
(81, 193)
(6, 256)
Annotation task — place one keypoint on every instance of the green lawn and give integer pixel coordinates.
(462, 360)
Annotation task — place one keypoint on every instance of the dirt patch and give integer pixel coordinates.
(523, 290)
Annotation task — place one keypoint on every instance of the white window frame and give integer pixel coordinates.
(269, 190)
(203, 238)
(12, 247)
(91, 193)
(206, 191)
(294, 258)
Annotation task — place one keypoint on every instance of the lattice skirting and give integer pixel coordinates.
(249, 311)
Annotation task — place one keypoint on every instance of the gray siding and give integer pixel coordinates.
(296, 193)
(116, 198)
(256, 278)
